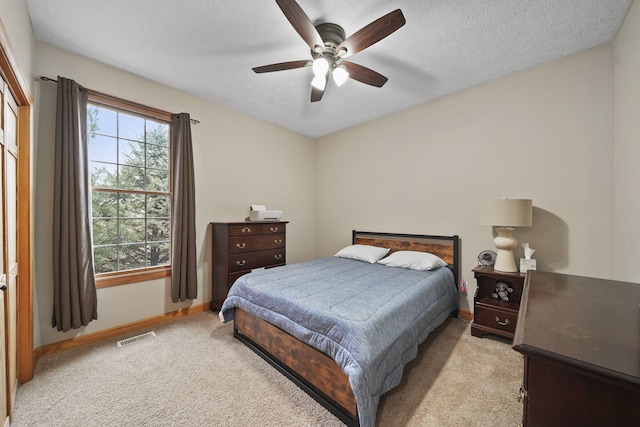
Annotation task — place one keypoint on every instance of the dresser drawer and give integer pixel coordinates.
(247, 229)
(255, 243)
(251, 260)
(272, 228)
(495, 318)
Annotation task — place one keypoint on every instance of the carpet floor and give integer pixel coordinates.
(194, 373)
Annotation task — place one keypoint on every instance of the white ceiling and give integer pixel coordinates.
(207, 48)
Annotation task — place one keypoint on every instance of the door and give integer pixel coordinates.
(3, 278)
(9, 265)
(11, 242)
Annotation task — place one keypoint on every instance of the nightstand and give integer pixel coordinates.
(493, 315)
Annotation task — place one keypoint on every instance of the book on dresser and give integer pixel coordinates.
(240, 247)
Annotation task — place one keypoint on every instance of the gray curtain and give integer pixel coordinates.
(74, 285)
(184, 283)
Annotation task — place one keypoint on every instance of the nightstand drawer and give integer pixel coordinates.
(495, 318)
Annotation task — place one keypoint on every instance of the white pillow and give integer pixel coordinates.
(413, 260)
(367, 253)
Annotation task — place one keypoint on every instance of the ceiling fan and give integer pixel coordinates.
(329, 47)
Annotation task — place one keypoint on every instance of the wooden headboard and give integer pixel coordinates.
(445, 247)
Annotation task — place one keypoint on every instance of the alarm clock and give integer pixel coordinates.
(487, 258)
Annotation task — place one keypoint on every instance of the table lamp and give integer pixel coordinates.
(505, 214)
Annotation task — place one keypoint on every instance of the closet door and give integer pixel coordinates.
(11, 242)
(3, 277)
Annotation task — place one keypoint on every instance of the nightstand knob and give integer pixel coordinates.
(274, 229)
(278, 256)
(241, 263)
(241, 245)
(277, 241)
(505, 323)
(246, 230)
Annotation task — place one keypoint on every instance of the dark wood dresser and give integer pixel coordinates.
(239, 247)
(580, 338)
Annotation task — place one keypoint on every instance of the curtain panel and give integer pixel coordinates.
(74, 293)
(184, 284)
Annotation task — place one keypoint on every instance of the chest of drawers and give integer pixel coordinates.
(239, 247)
(579, 338)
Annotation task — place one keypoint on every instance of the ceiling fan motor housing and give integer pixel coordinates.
(332, 35)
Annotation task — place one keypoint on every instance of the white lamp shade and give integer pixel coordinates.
(320, 66)
(507, 213)
(319, 82)
(340, 75)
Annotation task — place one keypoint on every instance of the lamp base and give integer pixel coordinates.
(505, 243)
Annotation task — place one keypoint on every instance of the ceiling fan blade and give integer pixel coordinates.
(281, 66)
(364, 74)
(372, 33)
(316, 94)
(301, 23)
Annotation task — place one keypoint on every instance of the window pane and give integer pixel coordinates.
(130, 127)
(103, 148)
(105, 231)
(157, 180)
(103, 175)
(132, 230)
(157, 133)
(131, 178)
(158, 229)
(104, 204)
(132, 256)
(105, 259)
(159, 254)
(158, 206)
(157, 157)
(132, 206)
(102, 120)
(131, 153)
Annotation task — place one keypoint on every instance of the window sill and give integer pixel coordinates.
(132, 276)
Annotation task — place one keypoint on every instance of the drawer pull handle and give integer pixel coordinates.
(277, 241)
(505, 323)
(278, 256)
(241, 245)
(241, 263)
(521, 394)
(246, 230)
(274, 229)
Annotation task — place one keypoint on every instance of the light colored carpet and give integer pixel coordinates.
(195, 373)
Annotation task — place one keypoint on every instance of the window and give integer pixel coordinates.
(129, 163)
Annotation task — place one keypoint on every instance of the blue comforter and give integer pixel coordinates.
(369, 318)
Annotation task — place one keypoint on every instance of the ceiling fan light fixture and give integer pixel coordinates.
(340, 75)
(319, 82)
(320, 66)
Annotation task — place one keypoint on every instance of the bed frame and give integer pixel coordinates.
(313, 371)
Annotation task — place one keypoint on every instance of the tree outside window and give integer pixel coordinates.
(131, 199)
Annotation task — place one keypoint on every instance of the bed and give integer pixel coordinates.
(343, 329)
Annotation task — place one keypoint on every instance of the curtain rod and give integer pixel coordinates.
(49, 79)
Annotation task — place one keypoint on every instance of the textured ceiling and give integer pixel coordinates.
(207, 48)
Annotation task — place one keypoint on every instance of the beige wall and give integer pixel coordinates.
(544, 134)
(627, 148)
(15, 19)
(238, 161)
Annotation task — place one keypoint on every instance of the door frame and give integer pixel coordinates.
(22, 95)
